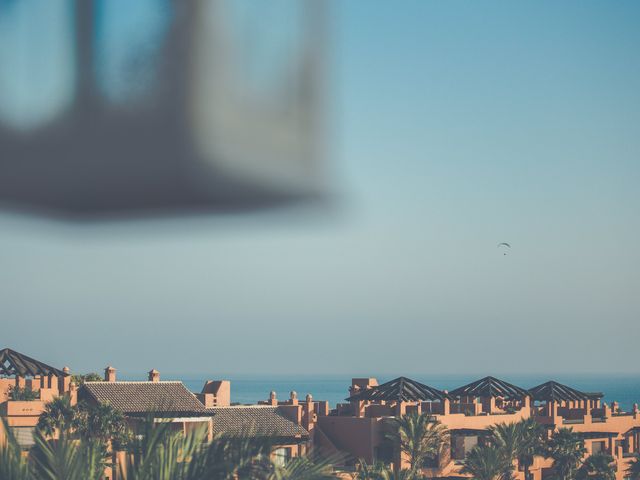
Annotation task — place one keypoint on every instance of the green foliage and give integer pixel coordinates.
(379, 471)
(520, 441)
(420, 437)
(507, 438)
(100, 422)
(157, 453)
(65, 459)
(633, 470)
(23, 394)
(599, 466)
(58, 416)
(566, 448)
(80, 379)
(532, 444)
(13, 465)
(485, 462)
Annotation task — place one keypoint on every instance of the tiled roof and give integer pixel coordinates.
(489, 387)
(141, 398)
(400, 389)
(15, 363)
(255, 420)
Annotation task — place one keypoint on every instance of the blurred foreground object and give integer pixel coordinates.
(117, 106)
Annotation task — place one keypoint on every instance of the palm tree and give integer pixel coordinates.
(599, 466)
(304, 468)
(101, 422)
(13, 465)
(633, 470)
(158, 453)
(566, 448)
(507, 438)
(532, 444)
(485, 462)
(370, 472)
(380, 471)
(420, 437)
(65, 459)
(58, 416)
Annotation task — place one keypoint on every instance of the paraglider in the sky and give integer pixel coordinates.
(504, 246)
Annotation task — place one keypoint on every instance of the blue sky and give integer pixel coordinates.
(453, 126)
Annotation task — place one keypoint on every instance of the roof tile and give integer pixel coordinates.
(141, 398)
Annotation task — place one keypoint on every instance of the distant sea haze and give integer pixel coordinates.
(249, 389)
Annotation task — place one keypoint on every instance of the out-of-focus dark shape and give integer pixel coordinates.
(504, 247)
(114, 106)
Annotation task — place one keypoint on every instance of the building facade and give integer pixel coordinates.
(358, 427)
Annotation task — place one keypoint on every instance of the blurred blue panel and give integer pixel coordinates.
(37, 61)
(129, 40)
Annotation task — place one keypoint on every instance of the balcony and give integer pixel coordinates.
(21, 408)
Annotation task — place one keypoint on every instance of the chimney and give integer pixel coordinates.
(109, 374)
(65, 381)
(293, 398)
(154, 375)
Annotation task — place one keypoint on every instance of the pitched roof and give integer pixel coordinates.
(489, 387)
(400, 389)
(255, 420)
(142, 398)
(554, 391)
(15, 363)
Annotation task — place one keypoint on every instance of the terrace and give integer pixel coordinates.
(26, 386)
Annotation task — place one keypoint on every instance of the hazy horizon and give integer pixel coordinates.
(453, 127)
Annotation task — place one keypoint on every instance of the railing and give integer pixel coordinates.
(598, 419)
(572, 421)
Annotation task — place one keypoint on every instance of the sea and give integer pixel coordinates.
(249, 389)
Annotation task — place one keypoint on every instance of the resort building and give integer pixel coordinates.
(138, 400)
(358, 428)
(288, 424)
(26, 386)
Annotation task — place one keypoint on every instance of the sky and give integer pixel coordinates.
(452, 127)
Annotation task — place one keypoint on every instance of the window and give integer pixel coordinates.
(24, 436)
(597, 447)
(281, 456)
(463, 444)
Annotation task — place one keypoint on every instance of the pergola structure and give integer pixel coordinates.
(490, 387)
(552, 391)
(26, 386)
(16, 364)
(21, 371)
(401, 389)
(495, 396)
(559, 399)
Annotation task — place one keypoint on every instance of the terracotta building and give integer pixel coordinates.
(20, 373)
(355, 430)
(358, 428)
